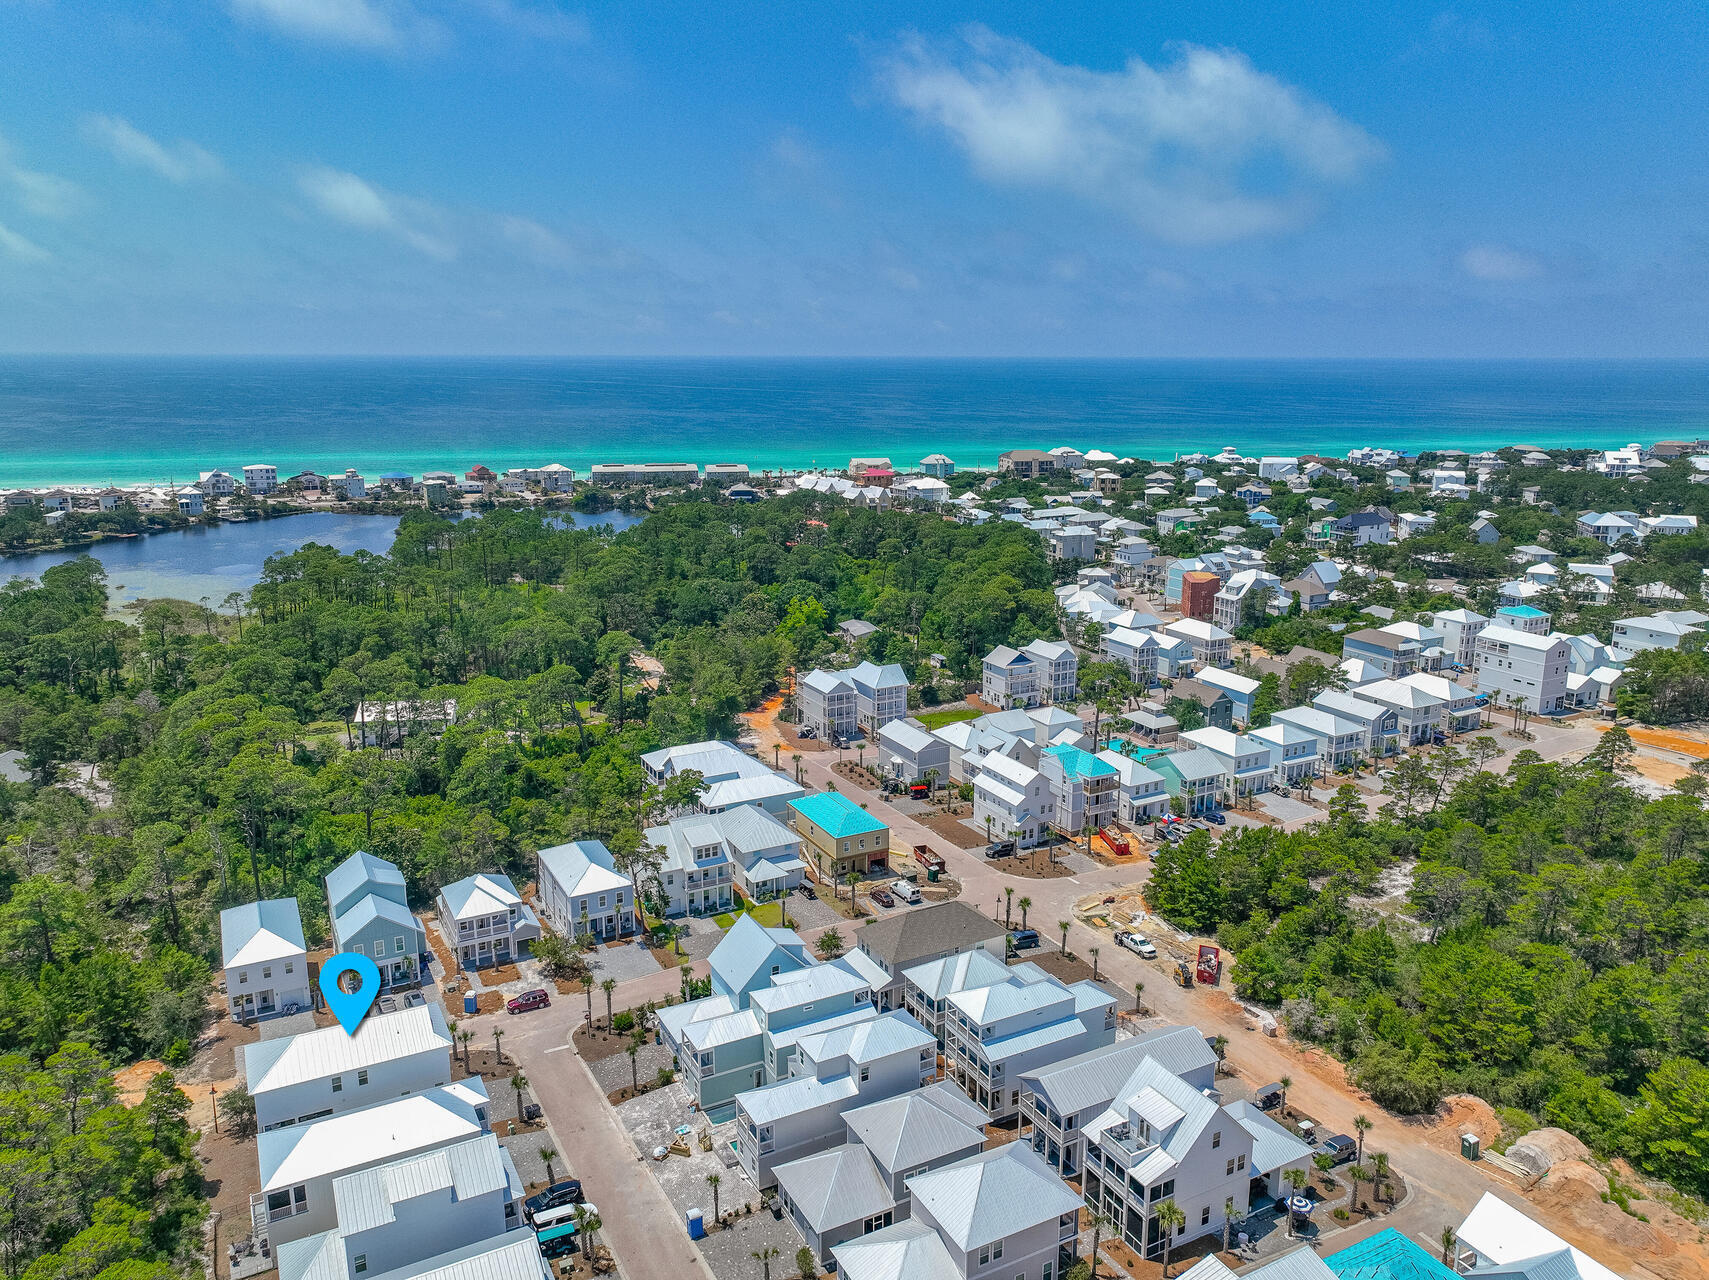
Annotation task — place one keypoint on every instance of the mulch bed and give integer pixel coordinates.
(484, 1062)
(441, 952)
(1069, 968)
(499, 974)
(954, 830)
(1032, 866)
(863, 778)
(594, 1045)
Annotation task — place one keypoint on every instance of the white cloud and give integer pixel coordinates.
(182, 161)
(1498, 263)
(19, 247)
(1172, 147)
(536, 241)
(542, 21)
(346, 198)
(45, 194)
(368, 24)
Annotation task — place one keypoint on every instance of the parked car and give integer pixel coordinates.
(1214, 815)
(906, 890)
(1268, 1097)
(1000, 849)
(569, 1191)
(1023, 939)
(807, 891)
(561, 1215)
(882, 897)
(1137, 943)
(535, 999)
(1339, 1148)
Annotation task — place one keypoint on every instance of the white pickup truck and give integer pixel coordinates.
(1137, 943)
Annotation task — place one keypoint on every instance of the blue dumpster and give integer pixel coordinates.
(696, 1225)
(469, 1002)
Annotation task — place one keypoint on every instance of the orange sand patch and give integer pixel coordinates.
(133, 1081)
(1695, 745)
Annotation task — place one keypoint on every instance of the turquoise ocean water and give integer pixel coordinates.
(91, 421)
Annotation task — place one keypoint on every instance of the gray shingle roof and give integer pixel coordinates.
(901, 940)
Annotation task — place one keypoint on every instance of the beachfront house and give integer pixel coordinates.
(260, 478)
(265, 960)
(370, 913)
(485, 920)
(581, 892)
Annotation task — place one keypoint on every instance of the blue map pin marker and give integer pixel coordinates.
(350, 1007)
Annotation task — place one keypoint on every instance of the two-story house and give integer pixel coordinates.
(366, 899)
(1210, 643)
(1392, 654)
(1381, 724)
(582, 892)
(265, 960)
(993, 1035)
(302, 1078)
(909, 752)
(1141, 796)
(838, 837)
(1196, 777)
(1418, 712)
(451, 1212)
(760, 853)
(1293, 752)
(1242, 690)
(1340, 742)
(485, 920)
(1245, 760)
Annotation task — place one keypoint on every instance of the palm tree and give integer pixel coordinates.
(608, 986)
(1361, 1123)
(519, 1082)
(1219, 1046)
(712, 1180)
(1138, 997)
(1025, 904)
(1008, 906)
(498, 1053)
(465, 1037)
(1358, 1174)
(853, 879)
(547, 1156)
(796, 757)
(987, 828)
(588, 1224)
(1063, 925)
(930, 778)
(1171, 1218)
(1379, 1172)
(764, 1257)
(633, 1049)
(1101, 1222)
(1094, 953)
(1287, 1082)
(1296, 1179)
(776, 751)
(1449, 1240)
(1227, 1221)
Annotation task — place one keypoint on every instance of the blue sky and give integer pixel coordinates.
(529, 177)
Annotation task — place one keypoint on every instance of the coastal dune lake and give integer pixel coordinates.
(208, 564)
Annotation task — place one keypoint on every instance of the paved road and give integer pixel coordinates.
(640, 1223)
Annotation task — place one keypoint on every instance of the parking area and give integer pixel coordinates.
(652, 1121)
(624, 962)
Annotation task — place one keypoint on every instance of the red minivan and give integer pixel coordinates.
(535, 999)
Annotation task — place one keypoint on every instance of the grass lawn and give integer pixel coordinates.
(938, 719)
(770, 914)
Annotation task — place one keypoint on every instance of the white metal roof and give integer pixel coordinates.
(260, 931)
(328, 1051)
(992, 1195)
(421, 1122)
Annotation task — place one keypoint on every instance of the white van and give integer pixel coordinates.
(546, 1219)
(906, 890)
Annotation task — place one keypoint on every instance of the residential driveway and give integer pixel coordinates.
(1286, 810)
(624, 963)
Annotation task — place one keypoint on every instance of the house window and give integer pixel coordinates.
(243, 977)
(359, 1263)
(338, 1084)
(290, 966)
(1230, 1172)
(398, 945)
(266, 973)
(1205, 1216)
(602, 899)
(865, 1074)
(1216, 1139)
(362, 1077)
(1240, 1163)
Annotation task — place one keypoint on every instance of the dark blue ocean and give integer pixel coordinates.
(76, 420)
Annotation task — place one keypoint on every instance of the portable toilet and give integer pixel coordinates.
(469, 1005)
(696, 1225)
(1469, 1146)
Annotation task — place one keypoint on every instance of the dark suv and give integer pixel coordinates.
(569, 1191)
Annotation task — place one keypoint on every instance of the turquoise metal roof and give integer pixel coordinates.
(1388, 1255)
(1077, 762)
(836, 815)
